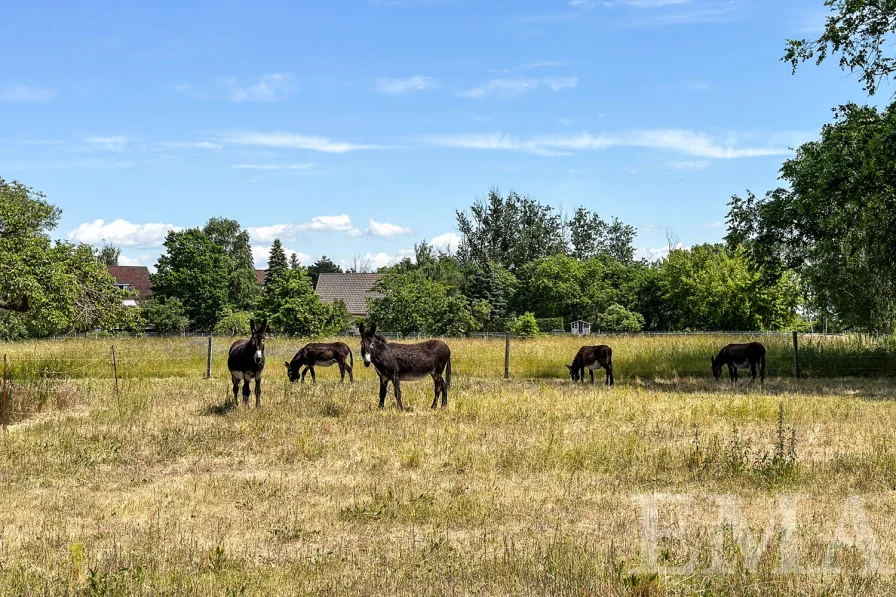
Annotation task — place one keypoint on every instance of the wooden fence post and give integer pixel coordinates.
(507, 356)
(115, 371)
(208, 368)
(796, 357)
(4, 393)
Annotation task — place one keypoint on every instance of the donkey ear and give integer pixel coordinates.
(264, 327)
(287, 364)
(373, 330)
(568, 367)
(361, 328)
(252, 324)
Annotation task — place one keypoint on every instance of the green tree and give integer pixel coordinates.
(233, 323)
(242, 289)
(711, 288)
(196, 271)
(166, 315)
(294, 262)
(861, 31)
(617, 318)
(277, 264)
(45, 287)
(291, 307)
(836, 223)
(324, 265)
(108, 255)
(486, 285)
(525, 326)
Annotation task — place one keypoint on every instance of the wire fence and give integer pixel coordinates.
(50, 375)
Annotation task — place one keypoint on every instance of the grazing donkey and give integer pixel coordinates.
(406, 362)
(246, 361)
(321, 355)
(740, 356)
(591, 358)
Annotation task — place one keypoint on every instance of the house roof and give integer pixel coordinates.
(137, 276)
(260, 275)
(351, 289)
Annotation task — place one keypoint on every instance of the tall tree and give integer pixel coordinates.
(324, 265)
(108, 255)
(291, 307)
(242, 284)
(836, 224)
(861, 31)
(47, 288)
(196, 271)
(277, 265)
(294, 262)
(586, 229)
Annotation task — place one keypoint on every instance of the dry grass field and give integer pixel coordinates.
(527, 486)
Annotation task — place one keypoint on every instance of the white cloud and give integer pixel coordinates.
(650, 228)
(447, 242)
(26, 94)
(508, 87)
(399, 86)
(273, 166)
(268, 88)
(144, 259)
(117, 143)
(121, 233)
(677, 140)
(655, 254)
(386, 229)
(713, 224)
(340, 223)
(292, 141)
(193, 145)
(260, 255)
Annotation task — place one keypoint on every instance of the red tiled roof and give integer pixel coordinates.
(260, 275)
(137, 276)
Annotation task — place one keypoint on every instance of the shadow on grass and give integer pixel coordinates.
(218, 410)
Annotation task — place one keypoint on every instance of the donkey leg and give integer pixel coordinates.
(753, 371)
(437, 385)
(304, 371)
(236, 379)
(384, 384)
(257, 390)
(351, 377)
(444, 392)
(313, 377)
(591, 373)
(246, 391)
(396, 385)
(341, 372)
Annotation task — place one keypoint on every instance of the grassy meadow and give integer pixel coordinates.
(527, 486)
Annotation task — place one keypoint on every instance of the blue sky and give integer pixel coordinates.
(357, 128)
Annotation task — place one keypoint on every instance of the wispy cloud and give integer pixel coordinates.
(293, 141)
(268, 88)
(78, 164)
(530, 66)
(713, 224)
(261, 254)
(677, 140)
(117, 143)
(193, 145)
(273, 166)
(387, 230)
(121, 233)
(650, 228)
(512, 87)
(26, 94)
(288, 232)
(401, 86)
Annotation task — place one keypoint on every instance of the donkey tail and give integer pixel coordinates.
(351, 358)
(448, 373)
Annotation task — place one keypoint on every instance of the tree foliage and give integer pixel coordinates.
(861, 31)
(836, 224)
(324, 265)
(196, 271)
(108, 254)
(291, 307)
(242, 288)
(166, 315)
(46, 287)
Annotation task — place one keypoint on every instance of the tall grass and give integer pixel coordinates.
(634, 356)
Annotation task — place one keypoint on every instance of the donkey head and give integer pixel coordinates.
(368, 338)
(257, 340)
(573, 372)
(716, 367)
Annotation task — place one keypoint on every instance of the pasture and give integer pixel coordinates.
(524, 486)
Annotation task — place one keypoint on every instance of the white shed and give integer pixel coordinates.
(580, 328)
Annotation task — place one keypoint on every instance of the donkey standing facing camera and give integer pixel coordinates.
(246, 361)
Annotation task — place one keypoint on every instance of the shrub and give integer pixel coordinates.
(525, 326)
(233, 323)
(617, 318)
(167, 316)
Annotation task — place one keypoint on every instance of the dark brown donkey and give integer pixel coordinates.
(246, 361)
(591, 358)
(407, 362)
(321, 355)
(740, 356)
